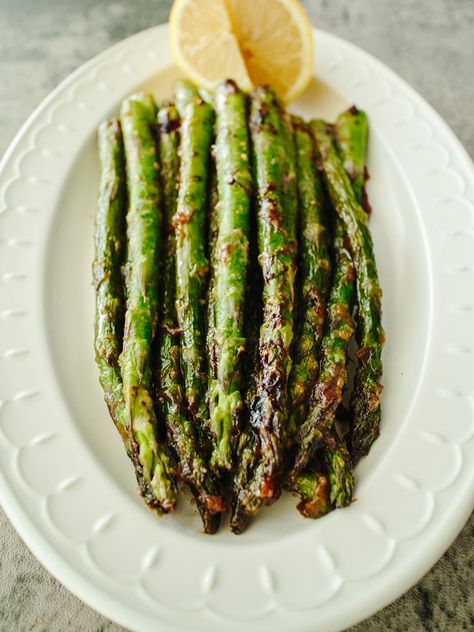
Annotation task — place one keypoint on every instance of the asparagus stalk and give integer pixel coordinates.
(109, 254)
(234, 182)
(274, 158)
(171, 399)
(244, 502)
(212, 235)
(151, 459)
(213, 232)
(352, 129)
(351, 133)
(327, 392)
(185, 92)
(247, 449)
(315, 276)
(339, 470)
(191, 261)
(207, 95)
(367, 388)
(313, 491)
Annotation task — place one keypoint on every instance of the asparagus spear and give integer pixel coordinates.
(191, 260)
(234, 182)
(351, 133)
(339, 469)
(244, 502)
(213, 231)
(366, 396)
(327, 392)
(274, 158)
(109, 253)
(207, 95)
(247, 449)
(185, 92)
(315, 275)
(352, 129)
(171, 398)
(313, 491)
(152, 462)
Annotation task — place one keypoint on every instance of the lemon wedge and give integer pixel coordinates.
(251, 41)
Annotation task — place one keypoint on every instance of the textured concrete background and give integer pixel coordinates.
(428, 42)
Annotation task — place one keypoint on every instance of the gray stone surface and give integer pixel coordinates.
(428, 42)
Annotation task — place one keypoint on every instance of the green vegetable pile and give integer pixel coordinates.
(233, 270)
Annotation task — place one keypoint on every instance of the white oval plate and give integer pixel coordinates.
(65, 480)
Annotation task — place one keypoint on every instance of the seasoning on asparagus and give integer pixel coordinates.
(191, 261)
(171, 398)
(109, 255)
(366, 396)
(152, 462)
(327, 392)
(315, 277)
(234, 183)
(274, 159)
